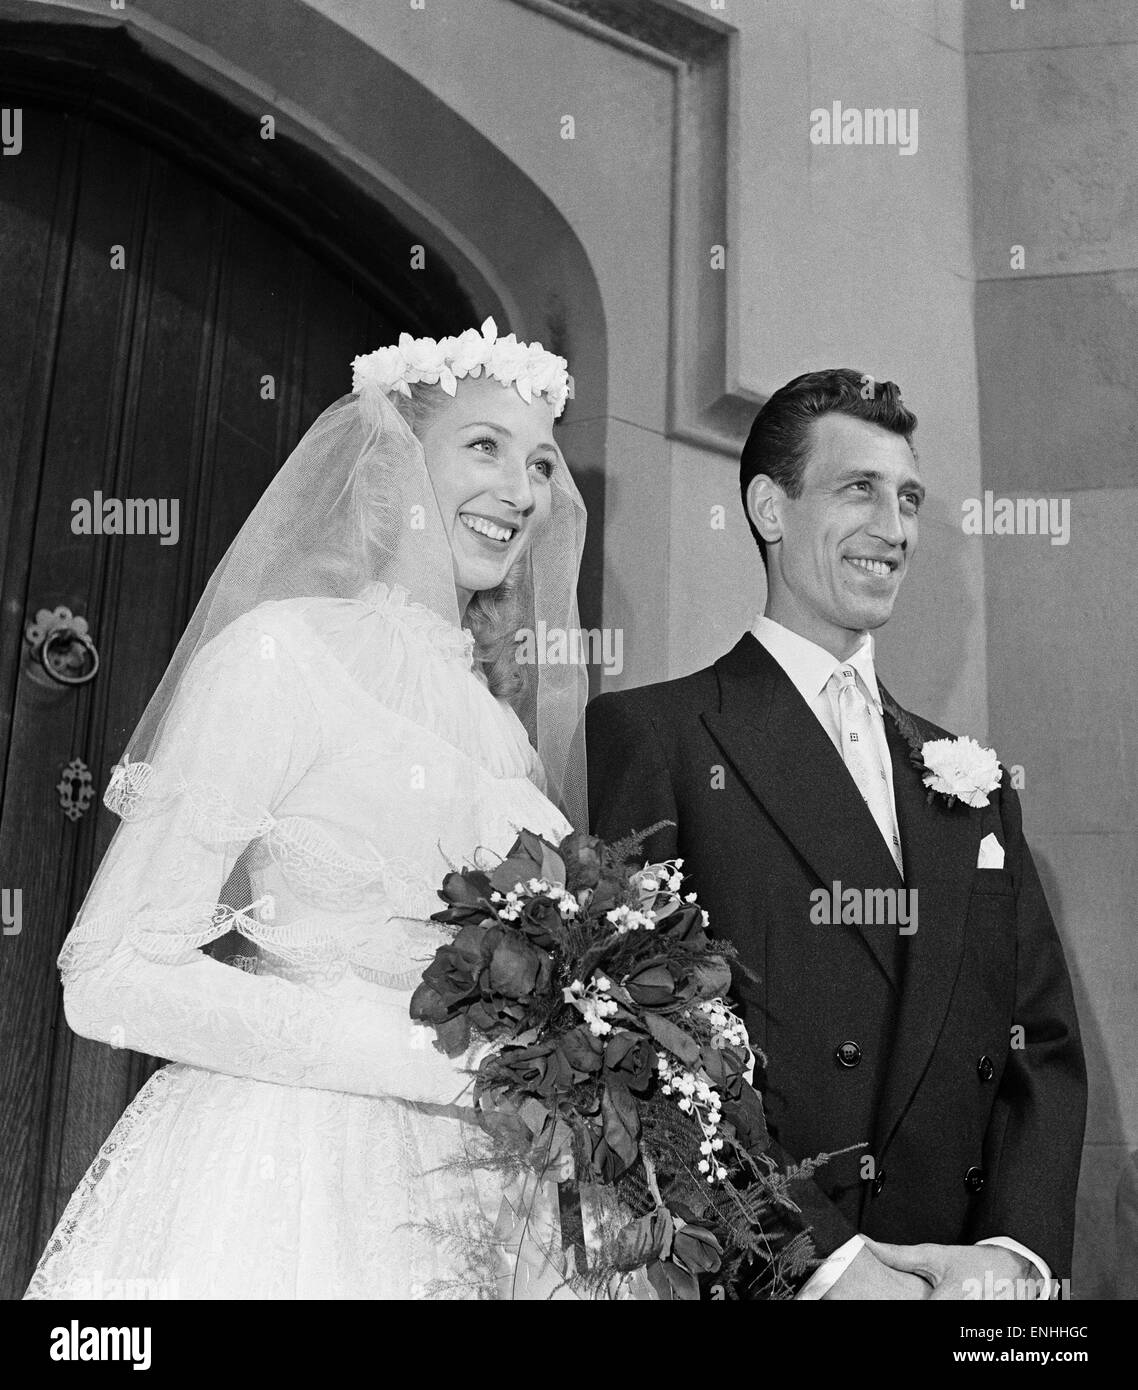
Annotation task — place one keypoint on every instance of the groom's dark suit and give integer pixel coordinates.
(905, 1042)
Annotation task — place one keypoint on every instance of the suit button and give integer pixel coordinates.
(848, 1054)
(879, 1183)
(974, 1179)
(985, 1069)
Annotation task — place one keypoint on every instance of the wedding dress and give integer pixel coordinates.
(300, 1144)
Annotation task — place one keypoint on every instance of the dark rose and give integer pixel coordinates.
(465, 889)
(630, 1058)
(428, 1005)
(494, 1016)
(451, 979)
(523, 862)
(608, 893)
(541, 1069)
(652, 986)
(541, 922)
(517, 969)
(685, 924)
(725, 1067)
(467, 897)
(696, 1250)
(582, 1049)
(453, 1035)
(582, 856)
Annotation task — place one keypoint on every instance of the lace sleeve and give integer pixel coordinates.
(241, 734)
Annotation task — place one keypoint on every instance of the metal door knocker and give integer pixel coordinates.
(76, 788)
(63, 645)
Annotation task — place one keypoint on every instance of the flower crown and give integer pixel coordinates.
(526, 366)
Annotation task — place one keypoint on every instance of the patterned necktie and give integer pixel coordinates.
(859, 749)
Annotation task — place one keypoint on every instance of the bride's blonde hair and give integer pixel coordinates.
(492, 615)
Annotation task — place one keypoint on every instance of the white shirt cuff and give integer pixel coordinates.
(1048, 1287)
(830, 1270)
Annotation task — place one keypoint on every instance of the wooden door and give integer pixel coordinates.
(144, 310)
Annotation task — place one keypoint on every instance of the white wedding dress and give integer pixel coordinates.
(348, 754)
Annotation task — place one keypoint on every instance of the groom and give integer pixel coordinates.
(934, 1022)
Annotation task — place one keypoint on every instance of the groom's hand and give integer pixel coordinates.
(868, 1277)
(961, 1271)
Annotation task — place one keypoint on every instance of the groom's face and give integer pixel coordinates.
(847, 540)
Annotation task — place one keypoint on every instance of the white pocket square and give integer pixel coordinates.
(991, 853)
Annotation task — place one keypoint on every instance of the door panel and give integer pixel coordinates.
(141, 382)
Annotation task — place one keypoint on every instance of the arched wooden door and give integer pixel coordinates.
(161, 341)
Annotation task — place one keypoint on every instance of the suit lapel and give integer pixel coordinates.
(939, 847)
(778, 748)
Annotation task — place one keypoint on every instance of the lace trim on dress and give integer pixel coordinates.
(391, 949)
(305, 948)
(304, 951)
(308, 856)
(62, 1271)
(139, 791)
(311, 860)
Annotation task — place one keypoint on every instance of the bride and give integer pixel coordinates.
(343, 721)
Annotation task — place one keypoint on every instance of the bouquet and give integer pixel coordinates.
(620, 1062)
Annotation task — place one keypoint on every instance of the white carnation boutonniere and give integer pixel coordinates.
(958, 768)
(961, 769)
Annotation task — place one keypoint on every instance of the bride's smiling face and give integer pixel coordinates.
(490, 457)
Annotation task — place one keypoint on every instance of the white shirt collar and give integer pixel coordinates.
(810, 666)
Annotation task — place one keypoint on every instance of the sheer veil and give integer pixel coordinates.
(353, 507)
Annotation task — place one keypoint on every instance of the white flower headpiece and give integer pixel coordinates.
(527, 366)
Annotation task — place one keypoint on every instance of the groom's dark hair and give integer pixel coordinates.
(779, 442)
